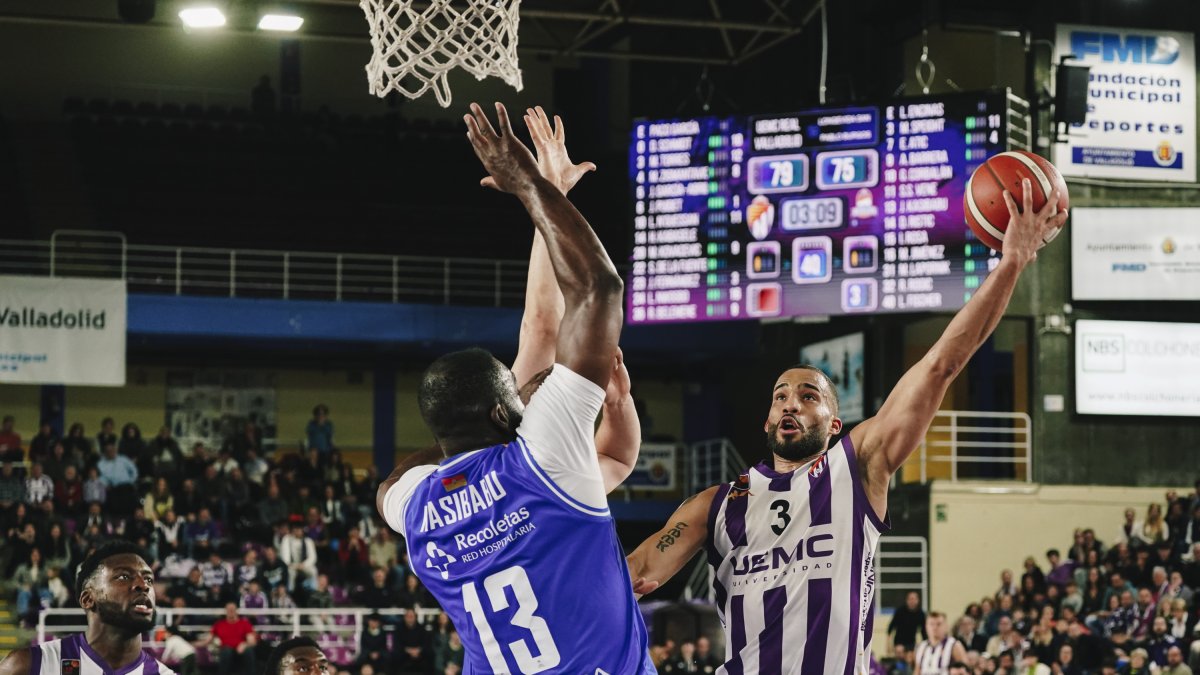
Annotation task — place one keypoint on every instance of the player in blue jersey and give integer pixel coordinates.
(115, 588)
(792, 542)
(511, 531)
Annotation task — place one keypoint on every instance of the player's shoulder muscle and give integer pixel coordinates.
(18, 662)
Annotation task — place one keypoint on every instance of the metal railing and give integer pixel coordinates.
(1018, 124)
(975, 445)
(253, 273)
(331, 627)
(902, 565)
(712, 462)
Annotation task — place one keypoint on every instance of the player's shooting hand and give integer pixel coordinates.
(510, 165)
(551, 145)
(619, 384)
(1029, 230)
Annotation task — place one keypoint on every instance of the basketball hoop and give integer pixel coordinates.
(418, 43)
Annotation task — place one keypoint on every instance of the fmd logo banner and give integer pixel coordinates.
(1141, 120)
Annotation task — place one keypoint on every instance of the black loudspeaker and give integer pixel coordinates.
(136, 11)
(1070, 94)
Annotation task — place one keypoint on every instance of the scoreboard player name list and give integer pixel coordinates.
(669, 259)
(914, 167)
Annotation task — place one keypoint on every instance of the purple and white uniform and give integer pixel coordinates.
(793, 556)
(933, 658)
(72, 655)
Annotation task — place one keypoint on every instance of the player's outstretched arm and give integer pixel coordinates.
(588, 279)
(544, 305)
(17, 662)
(885, 441)
(661, 556)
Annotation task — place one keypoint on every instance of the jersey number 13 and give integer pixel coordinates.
(494, 585)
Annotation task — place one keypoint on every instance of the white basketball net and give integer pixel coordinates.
(417, 43)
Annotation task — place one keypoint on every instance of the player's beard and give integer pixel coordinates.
(113, 614)
(810, 444)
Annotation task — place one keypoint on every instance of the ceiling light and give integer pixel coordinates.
(281, 22)
(202, 17)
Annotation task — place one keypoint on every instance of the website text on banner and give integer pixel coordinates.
(62, 331)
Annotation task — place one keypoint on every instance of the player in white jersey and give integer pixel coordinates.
(792, 541)
(935, 655)
(115, 588)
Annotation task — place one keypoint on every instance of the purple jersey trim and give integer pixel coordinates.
(820, 599)
(35, 660)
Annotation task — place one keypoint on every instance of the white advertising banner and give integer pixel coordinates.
(1135, 254)
(655, 468)
(1141, 120)
(62, 331)
(1137, 368)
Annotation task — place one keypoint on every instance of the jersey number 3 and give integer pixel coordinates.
(494, 585)
(780, 506)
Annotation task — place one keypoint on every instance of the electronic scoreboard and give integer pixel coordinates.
(824, 212)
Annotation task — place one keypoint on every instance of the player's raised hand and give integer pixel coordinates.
(619, 384)
(1029, 230)
(510, 165)
(551, 145)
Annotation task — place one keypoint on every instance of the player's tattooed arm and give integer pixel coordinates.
(419, 458)
(662, 555)
(886, 440)
(18, 662)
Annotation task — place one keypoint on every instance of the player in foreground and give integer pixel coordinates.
(511, 531)
(297, 656)
(792, 543)
(619, 436)
(115, 588)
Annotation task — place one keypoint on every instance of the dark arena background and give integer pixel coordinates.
(223, 256)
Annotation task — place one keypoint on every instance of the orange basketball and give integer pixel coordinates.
(983, 203)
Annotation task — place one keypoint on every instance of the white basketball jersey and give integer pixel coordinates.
(72, 655)
(793, 557)
(934, 657)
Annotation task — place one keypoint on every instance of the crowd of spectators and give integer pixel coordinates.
(1128, 607)
(232, 527)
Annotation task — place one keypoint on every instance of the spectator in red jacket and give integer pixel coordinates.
(236, 638)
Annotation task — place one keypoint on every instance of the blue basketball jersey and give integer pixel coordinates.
(534, 580)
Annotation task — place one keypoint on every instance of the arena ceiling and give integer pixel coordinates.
(716, 32)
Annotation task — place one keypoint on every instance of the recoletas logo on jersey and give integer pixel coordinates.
(70, 666)
(438, 560)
